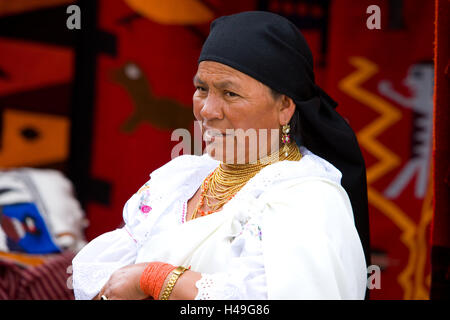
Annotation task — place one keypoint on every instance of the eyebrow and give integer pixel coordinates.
(220, 84)
(198, 80)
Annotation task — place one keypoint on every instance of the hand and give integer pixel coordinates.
(124, 284)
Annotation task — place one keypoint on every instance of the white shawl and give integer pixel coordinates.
(310, 246)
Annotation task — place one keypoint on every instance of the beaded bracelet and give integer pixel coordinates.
(153, 278)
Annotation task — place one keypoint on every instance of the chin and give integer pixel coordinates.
(215, 151)
(218, 151)
(219, 156)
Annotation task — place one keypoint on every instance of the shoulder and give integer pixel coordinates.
(324, 197)
(311, 183)
(318, 207)
(315, 203)
(186, 164)
(284, 173)
(313, 194)
(169, 183)
(178, 176)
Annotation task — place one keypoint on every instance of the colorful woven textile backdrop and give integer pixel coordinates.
(37, 57)
(36, 74)
(382, 79)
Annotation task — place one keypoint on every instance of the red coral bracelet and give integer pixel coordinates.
(153, 278)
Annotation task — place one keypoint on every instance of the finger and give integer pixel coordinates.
(98, 296)
(102, 292)
(108, 293)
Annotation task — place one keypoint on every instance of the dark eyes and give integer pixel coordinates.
(226, 93)
(231, 94)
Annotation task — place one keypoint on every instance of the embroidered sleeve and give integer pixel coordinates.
(96, 262)
(245, 280)
(209, 287)
(245, 277)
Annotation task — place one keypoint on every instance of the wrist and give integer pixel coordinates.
(153, 278)
(164, 285)
(170, 282)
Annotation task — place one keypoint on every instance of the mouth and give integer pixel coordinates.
(211, 134)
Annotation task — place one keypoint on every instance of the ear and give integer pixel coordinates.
(287, 108)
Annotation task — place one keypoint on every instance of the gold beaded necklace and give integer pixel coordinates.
(223, 183)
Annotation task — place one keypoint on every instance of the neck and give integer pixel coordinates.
(291, 149)
(224, 182)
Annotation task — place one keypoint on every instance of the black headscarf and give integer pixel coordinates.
(271, 49)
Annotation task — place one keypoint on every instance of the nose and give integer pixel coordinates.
(212, 108)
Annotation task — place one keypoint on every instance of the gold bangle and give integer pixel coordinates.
(173, 279)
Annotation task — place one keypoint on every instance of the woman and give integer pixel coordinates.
(227, 227)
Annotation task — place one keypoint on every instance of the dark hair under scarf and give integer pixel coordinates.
(271, 49)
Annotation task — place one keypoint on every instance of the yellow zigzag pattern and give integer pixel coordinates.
(352, 85)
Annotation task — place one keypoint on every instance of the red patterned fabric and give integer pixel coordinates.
(383, 81)
(49, 280)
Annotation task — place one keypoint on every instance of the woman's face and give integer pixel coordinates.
(226, 100)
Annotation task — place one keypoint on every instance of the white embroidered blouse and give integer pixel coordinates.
(288, 233)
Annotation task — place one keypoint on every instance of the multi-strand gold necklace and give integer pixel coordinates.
(224, 182)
